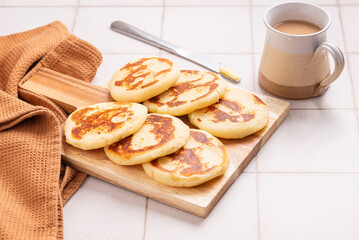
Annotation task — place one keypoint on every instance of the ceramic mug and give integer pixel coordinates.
(297, 66)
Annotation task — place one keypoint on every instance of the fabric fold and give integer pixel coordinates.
(33, 184)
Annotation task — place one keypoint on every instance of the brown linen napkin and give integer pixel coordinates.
(33, 183)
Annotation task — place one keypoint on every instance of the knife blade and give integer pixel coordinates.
(197, 57)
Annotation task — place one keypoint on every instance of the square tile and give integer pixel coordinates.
(338, 95)
(35, 17)
(252, 166)
(309, 206)
(207, 3)
(350, 26)
(121, 2)
(272, 2)
(335, 31)
(240, 64)
(234, 217)
(313, 141)
(208, 29)
(353, 61)
(100, 210)
(38, 3)
(334, 34)
(93, 25)
(349, 2)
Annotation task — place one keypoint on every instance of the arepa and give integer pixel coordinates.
(201, 159)
(193, 90)
(102, 124)
(160, 135)
(143, 79)
(238, 114)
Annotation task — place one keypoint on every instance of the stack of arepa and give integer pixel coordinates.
(169, 151)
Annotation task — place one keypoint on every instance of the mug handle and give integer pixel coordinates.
(339, 62)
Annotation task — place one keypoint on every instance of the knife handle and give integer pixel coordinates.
(138, 34)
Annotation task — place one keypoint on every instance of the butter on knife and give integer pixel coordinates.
(229, 73)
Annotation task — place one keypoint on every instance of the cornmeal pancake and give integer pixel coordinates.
(160, 135)
(201, 159)
(143, 79)
(193, 90)
(238, 114)
(102, 124)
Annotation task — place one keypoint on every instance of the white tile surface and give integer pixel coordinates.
(349, 2)
(299, 205)
(354, 63)
(240, 64)
(252, 166)
(339, 94)
(309, 206)
(207, 3)
(313, 141)
(335, 31)
(259, 30)
(38, 2)
(208, 29)
(235, 217)
(100, 210)
(334, 34)
(272, 2)
(36, 17)
(93, 24)
(350, 25)
(121, 2)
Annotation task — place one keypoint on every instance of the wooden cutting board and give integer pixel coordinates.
(71, 93)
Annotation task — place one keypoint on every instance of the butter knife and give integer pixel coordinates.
(194, 56)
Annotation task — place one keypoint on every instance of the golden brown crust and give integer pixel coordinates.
(257, 100)
(178, 89)
(163, 130)
(140, 70)
(187, 160)
(236, 116)
(101, 120)
(102, 124)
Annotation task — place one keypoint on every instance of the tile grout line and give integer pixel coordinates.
(75, 17)
(253, 87)
(127, 53)
(258, 173)
(343, 173)
(40, 6)
(222, 53)
(302, 108)
(252, 58)
(145, 223)
(162, 23)
(170, 6)
(252, 43)
(258, 207)
(348, 65)
(213, 53)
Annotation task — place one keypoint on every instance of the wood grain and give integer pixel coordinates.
(71, 93)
